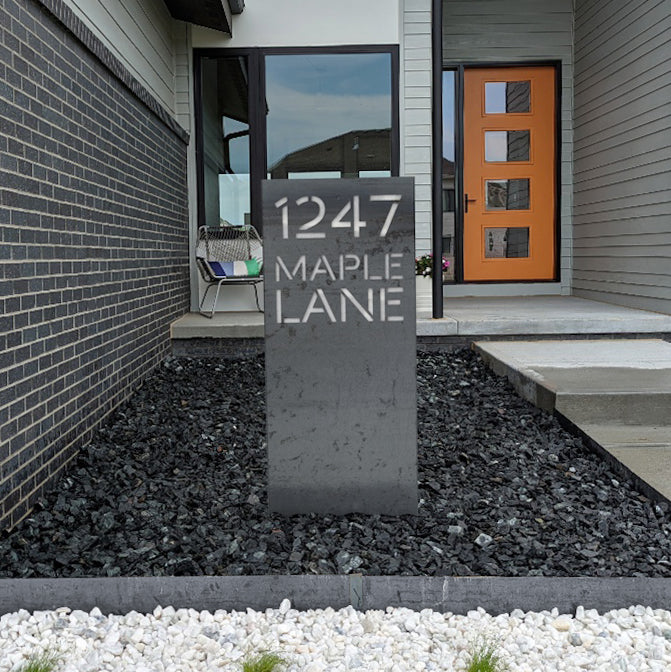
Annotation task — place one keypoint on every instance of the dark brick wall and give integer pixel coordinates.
(94, 242)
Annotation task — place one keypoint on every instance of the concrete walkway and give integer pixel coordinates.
(617, 392)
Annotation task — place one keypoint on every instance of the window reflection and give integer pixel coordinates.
(507, 242)
(507, 145)
(226, 140)
(328, 115)
(507, 194)
(507, 97)
(447, 176)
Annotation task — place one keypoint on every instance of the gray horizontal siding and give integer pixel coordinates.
(622, 149)
(140, 34)
(416, 113)
(507, 30)
(518, 31)
(593, 281)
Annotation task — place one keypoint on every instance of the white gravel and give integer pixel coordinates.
(185, 640)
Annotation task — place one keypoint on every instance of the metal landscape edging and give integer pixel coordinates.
(458, 595)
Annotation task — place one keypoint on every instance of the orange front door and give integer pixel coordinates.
(509, 174)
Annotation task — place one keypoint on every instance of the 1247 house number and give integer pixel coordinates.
(349, 216)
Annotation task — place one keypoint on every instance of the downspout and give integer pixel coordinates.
(437, 155)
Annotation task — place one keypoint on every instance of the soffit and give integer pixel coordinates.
(209, 13)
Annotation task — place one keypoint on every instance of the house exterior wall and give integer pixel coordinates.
(185, 117)
(622, 216)
(317, 23)
(515, 31)
(415, 113)
(140, 34)
(94, 255)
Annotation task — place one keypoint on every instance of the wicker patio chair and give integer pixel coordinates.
(229, 255)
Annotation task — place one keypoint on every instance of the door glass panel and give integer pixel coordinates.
(507, 145)
(447, 172)
(226, 140)
(328, 115)
(506, 242)
(507, 194)
(507, 97)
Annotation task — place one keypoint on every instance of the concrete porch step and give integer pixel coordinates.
(638, 407)
(555, 373)
(643, 450)
(238, 324)
(466, 319)
(629, 436)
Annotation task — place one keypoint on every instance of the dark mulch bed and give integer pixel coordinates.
(173, 484)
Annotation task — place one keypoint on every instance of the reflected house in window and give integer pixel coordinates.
(507, 97)
(506, 242)
(449, 204)
(507, 194)
(518, 97)
(321, 114)
(226, 140)
(353, 154)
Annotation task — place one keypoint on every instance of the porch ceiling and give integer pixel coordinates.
(209, 13)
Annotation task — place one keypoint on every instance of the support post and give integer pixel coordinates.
(437, 155)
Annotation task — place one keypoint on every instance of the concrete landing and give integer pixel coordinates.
(506, 317)
(617, 392)
(238, 324)
(538, 315)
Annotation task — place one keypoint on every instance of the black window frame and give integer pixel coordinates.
(257, 119)
(449, 200)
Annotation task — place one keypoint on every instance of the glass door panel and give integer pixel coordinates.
(448, 172)
(502, 146)
(507, 97)
(507, 194)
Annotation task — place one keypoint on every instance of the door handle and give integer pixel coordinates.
(467, 201)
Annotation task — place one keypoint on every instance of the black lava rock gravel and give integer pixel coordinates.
(174, 484)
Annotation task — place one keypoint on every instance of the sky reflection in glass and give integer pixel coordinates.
(448, 114)
(313, 97)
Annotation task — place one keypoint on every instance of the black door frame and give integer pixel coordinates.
(437, 156)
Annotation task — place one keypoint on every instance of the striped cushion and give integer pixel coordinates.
(251, 268)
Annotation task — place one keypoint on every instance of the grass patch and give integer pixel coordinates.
(41, 662)
(485, 657)
(263, 662)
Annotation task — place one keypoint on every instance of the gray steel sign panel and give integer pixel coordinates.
(340, 345)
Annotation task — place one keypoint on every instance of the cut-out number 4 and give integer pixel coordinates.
(339, 221)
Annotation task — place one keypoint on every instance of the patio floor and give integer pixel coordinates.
(472, 317)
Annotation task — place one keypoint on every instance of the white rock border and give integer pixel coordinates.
(633, 639)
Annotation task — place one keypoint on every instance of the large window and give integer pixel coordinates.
(291, 114)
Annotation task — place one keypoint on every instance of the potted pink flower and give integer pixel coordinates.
(424, 265)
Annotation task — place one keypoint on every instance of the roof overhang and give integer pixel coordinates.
(210, 13)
